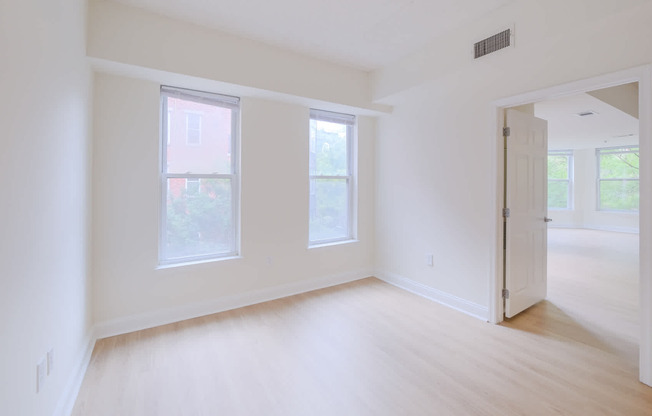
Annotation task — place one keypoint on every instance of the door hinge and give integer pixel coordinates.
(507, 131)
(505, 293)
(505, 212)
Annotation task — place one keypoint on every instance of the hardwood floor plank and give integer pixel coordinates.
(368, 348)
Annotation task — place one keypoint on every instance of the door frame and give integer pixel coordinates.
(642, 75)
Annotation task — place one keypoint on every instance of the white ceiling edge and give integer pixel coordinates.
(572, 144)
(225, 88)
(609, 127)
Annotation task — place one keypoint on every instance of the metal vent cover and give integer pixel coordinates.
(493, 43)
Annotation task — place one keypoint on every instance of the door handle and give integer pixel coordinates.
(546, 219)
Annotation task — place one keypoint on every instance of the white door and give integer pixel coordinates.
(526, 197)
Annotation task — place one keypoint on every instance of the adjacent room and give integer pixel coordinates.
(293, 208)
(593, 204)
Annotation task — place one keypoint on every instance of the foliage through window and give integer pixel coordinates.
(560, 173)
(199, 184)
(618, 184)
(331, 177)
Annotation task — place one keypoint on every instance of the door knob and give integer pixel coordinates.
(546, 219)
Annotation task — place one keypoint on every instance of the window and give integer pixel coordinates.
(193, 129)
(199, 184)
(560, 174)
(331, 177)
(618, 186)
(193, 186)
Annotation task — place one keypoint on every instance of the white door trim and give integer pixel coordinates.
(642, 75)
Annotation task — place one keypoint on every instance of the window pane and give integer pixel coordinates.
(557, 167)
(619, 165)
(199, 137)
(328, 148)
(193, 128)
(619, 195)
(192, 186)
(328, 209)
(199, 223)
(558, 194)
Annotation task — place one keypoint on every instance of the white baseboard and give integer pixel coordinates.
(446, 299)
(69, 396)
(631, 230)
(170, 315)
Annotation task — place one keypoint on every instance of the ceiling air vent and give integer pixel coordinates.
(587, 113)
(493, 43)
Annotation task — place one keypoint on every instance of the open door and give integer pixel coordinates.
(526, 200)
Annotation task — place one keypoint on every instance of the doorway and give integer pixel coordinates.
(643, 76)
(592, 241)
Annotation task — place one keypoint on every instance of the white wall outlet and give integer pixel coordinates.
(429, 260)
(269, 260)
(41, 372)
(50, 359)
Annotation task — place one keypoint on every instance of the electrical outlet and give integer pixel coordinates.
(41, 372)
(429, 260)
(50, 358)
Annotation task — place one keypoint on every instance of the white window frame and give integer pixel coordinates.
(569, 157)
(599, 179)
(232, 103)
(351, 179)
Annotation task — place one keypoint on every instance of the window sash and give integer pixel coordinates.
(349, 210)
(217, 100)
(349, 121)
(568, 194)
(165, 258)
(608, 151)
(569, 178)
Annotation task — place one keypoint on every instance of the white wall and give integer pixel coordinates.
(435, 177)
(130, 292)
(584, 213)
(44, 175)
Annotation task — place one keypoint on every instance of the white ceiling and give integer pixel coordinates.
(365, 34)
(567, 130)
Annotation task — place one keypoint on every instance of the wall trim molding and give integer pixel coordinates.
(436, 295)
(165, 316)
(69, 396)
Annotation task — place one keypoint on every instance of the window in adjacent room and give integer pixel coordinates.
(560, 179)
(618, 186)
(199, 183)
(332, 180)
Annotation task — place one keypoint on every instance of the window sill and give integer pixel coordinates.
(194, 262)
(332, 243)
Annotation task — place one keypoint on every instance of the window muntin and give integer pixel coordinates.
(199, 183)
(331, 177)
(560, 179)
(618, 179)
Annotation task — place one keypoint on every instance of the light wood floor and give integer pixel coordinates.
(367, 348)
